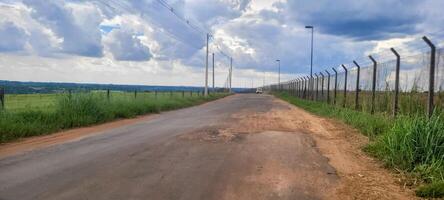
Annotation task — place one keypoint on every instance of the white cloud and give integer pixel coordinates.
(100, 36)
(77, 25)
(125, 45)
(13, 38)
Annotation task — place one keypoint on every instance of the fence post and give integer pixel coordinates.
(135, 94)
(299, 87)
(398, 66)
(312, 92)
(322, 86)
(183, 94)
(107, 94)
(345, 86)
(430, 105)
(2, 97)
(303, 88)
(290, 86)
(328, 86)
(375, 65)
(317, 86)
(357, 85)
(307, 92)
(336, 85)
(307, 83)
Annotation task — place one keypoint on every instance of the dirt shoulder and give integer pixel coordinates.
(28, 144)
(361, 177)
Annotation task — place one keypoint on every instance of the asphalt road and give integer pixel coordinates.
(183, 154)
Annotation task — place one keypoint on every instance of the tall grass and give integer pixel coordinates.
(410, 143)
(86, 109)
(416, 145)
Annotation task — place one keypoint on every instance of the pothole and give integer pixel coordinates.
(214, 135)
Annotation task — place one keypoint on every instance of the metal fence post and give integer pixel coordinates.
(375, 66)
(107, 94)
(328, 86)
(299, 87)
(301, 92)
(357, 85)
(317, 87)
(295, 87)
(430, 105)
(322, 85)
(336, 86)
(307, 96)
(2, 97)
(398, 66)
(345, 86)
(303, 87)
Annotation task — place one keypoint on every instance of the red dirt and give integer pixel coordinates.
(37, 142)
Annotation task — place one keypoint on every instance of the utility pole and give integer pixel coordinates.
(213, 71)
(231, 72)
(206, 68)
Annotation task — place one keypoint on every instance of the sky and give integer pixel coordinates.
(163, 42)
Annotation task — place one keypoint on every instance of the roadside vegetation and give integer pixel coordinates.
(410, 144)
(82, 109)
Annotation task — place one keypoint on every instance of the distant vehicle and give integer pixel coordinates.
(259, 91)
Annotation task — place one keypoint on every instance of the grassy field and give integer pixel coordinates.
(31, 115)
(47, 102)
(410, 143)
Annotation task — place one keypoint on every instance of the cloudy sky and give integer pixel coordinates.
(162, 42)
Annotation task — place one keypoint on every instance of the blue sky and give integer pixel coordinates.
(142, 42)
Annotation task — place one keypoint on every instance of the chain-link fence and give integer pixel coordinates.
(396, 85)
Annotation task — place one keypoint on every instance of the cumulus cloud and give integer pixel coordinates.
(255, 33)
(125, 45)
(13, 38)
(361, 20)
(76, 24)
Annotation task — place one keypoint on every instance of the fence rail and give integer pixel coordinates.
(407, 85)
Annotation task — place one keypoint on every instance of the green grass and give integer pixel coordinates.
(368, 124)
(86, 109)
(47, 102)
(411, 143)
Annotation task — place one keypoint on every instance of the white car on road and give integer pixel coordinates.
(259, 91)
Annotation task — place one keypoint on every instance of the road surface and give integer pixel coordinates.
(239, 147)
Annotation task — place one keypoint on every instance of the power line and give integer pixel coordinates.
(119, 7)
(184, 20)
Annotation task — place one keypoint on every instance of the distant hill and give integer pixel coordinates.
(17, 87)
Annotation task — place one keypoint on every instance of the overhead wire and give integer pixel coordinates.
(118, 6)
